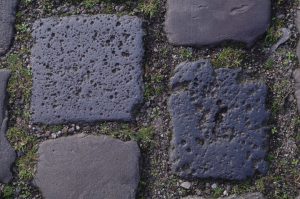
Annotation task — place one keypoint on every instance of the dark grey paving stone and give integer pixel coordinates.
(218, 123)
(86, 68)
(255, 195)
(7, 20)
(208, 22)
(7, 154)
(86, 166)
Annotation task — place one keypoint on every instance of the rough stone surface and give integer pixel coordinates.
(297, 22)
(208, 22)
(86, 68)
(218, 123)
(86, 166)
(7, 154)
(7, 20)
(244, 196)
(297, 86)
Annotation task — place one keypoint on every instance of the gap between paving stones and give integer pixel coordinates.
(166, 78)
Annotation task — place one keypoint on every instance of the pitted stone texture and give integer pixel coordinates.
(7, 154)
(255, 195)
(86, 68)
(218, 123)
(85, 166)
(7, 21)
(208, 22)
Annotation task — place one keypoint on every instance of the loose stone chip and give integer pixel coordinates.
(218, 123)
(86, 68)
(86, 166)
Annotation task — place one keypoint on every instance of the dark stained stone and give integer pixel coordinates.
(208, 22)
(86, 166)
(86, 68)
(218, 123)
(297, 22)
(7, 20)
(7, 154)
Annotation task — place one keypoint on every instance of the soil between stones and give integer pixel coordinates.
(282, 179)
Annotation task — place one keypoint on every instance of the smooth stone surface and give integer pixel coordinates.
(256, 195)
(7, 21)
(87, 166)
(209, 22)
(297, 22)
(86, 68)
(7, 154)
(218, 123)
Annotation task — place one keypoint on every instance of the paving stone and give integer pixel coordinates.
(208, 22)
(218, 123)
(297, 86)
(7, 154)
(86, 68)
(7, 20)
(86, 166)
(256, 195)
(297, 22)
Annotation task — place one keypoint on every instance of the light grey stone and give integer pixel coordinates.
(87, 166)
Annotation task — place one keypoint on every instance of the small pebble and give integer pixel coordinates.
(214, 186)
(53, 135)
(186, 185)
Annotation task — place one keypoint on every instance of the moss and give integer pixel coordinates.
(8, 192)
(229, 57)
(186, 53)
(281, 91)
(26, 165)
(149, 7)
(20, 140)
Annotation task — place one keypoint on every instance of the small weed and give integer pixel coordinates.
(229, 57)
(149, 7)
(269, 64)
(8, 192)
(186, 53)
(217, 192)
(26, 165)
(281, 90)
(20, 140)
(145, 135)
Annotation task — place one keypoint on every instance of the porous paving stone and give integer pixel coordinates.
(218, 123)
(7, 20)
(7, 154)
(86, 68)
(87, 166)
(208, 22)
(297, 22)
(256, 195)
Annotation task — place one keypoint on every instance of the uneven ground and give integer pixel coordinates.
(151, 128)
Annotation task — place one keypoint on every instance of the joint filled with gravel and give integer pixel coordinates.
(7, 154)
(86, 166)
(209, 22)
(86, 68)
(218, 123)
(7, 21)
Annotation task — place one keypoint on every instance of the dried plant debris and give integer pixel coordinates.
(219, 124)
